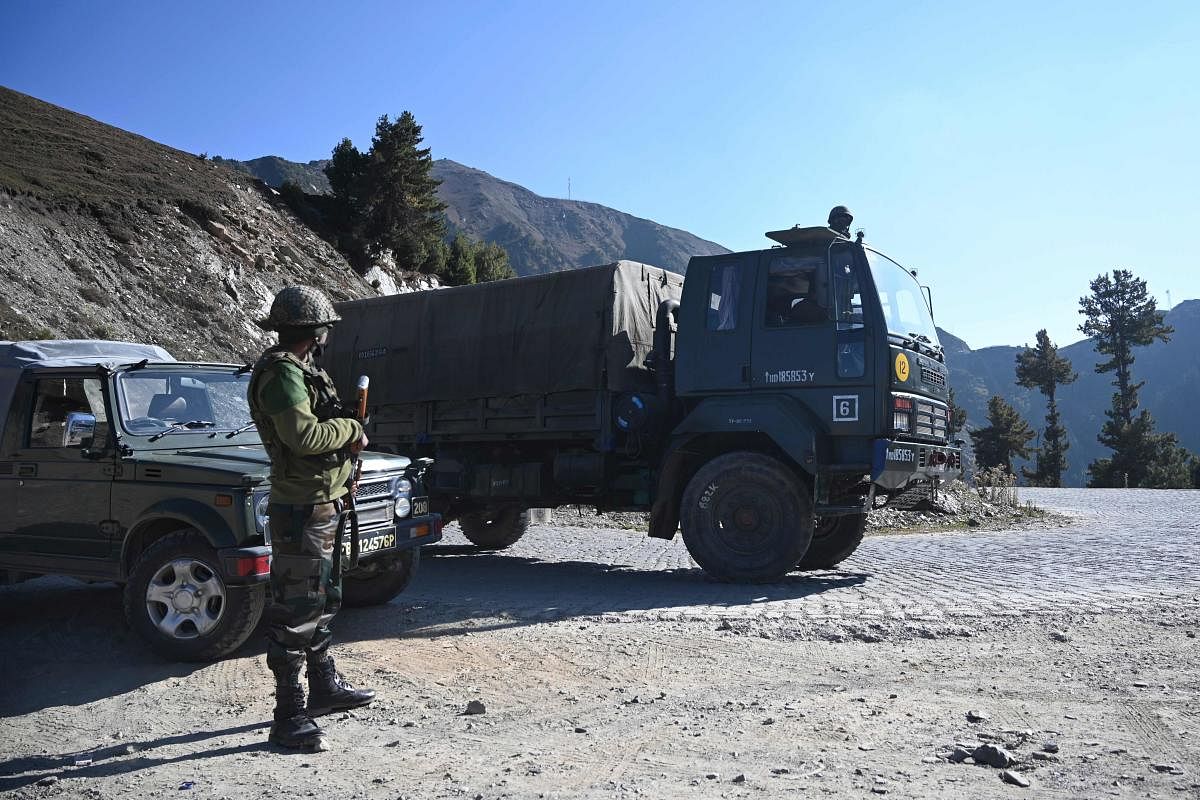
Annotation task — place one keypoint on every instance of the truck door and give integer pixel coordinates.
(62, 496)
(713, 350)
(807, 342)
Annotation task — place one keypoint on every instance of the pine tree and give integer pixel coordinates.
(403, 212)
(1120, 315)
(1042, 368)
(460, 268)
(1006, 437)
(957, 419)
(491, 263)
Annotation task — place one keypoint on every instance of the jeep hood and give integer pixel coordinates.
(236, 464)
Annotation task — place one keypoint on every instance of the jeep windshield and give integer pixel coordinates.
(153, 401)
(903, 302)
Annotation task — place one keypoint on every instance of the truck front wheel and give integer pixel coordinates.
(178, 602)
(495, 528)
(378, 581)
(745, 517)
(834, 539)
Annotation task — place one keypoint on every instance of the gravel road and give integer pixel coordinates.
(610, 667)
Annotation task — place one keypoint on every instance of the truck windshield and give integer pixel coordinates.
(903, 302)
(192, 401)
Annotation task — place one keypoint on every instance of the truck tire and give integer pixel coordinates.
(377, 582)
(495, 528)
(834, 539)
(746, 518)
(177, 601)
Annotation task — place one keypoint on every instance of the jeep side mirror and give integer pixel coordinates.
(78, 429)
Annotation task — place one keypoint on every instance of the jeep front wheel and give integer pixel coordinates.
(178, 602)
(378, 581)
(746, 517)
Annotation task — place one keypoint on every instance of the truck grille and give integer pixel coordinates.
(932, 420)
(933, 377)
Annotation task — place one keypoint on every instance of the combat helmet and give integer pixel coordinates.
(299, 307)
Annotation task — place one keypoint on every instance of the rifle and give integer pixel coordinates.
(351, 514)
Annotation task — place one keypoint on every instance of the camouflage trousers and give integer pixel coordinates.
(305, 594)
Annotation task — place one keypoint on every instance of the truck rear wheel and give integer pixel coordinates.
(177, 600)
(495, 528)
(745, 517)
(834, 539)
(378, 581)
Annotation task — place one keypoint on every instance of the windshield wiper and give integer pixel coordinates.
(242, 429)
(190, 425)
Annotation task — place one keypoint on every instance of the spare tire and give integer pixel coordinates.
(495, 528)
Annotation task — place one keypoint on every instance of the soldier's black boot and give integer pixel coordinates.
(329, 691)
(292, 727)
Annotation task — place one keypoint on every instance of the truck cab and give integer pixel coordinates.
(121, 464)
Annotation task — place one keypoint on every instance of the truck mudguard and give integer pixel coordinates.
(782, 419)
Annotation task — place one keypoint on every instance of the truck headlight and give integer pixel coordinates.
(403, 507)
(260, 511)
(901, 421)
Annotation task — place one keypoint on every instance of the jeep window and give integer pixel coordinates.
(68, 412)
(791, 299)
(723, 297)
(151, 400)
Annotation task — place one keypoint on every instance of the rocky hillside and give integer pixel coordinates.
(1171, 371)
(105, 234)
(541, 234)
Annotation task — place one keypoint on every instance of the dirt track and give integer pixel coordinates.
(610, 667)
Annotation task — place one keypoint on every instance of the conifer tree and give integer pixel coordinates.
(491, 263)
(1006, 437)
(460, 268)
(957, 418)
(1042, 368)
(403, 212)
(1119, 315)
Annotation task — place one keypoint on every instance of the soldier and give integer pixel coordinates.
(840, 220)
(309, 440)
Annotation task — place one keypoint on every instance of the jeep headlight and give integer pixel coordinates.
(403, 507)
(403, 486)
(260, 511)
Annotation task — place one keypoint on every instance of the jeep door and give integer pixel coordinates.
(64, 469)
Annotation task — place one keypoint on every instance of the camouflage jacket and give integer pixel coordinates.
(295, 406)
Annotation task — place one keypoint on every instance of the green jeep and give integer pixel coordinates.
(118, 463)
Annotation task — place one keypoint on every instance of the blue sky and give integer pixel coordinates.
(1010, 151)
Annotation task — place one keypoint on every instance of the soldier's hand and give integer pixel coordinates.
(357, 447)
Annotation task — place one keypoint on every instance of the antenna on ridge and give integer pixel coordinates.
(1169, 306)
(568, 187)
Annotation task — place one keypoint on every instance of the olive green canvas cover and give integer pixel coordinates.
(589, 328)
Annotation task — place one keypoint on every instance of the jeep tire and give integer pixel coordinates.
(177, 600)
(495, 528)
(379, 580)
(834, 539)
(746, 518)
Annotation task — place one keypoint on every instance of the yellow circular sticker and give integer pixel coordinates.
(901, 367)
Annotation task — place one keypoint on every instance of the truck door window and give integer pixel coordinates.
(723, 285)
(791, 299)
(848, 306)
(68, 412)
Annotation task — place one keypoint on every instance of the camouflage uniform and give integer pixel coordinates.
(303, 429)
(309, 469)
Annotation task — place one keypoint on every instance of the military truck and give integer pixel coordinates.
(119, 463)
(761, 406)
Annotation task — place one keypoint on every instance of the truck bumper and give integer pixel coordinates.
(896, 464)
